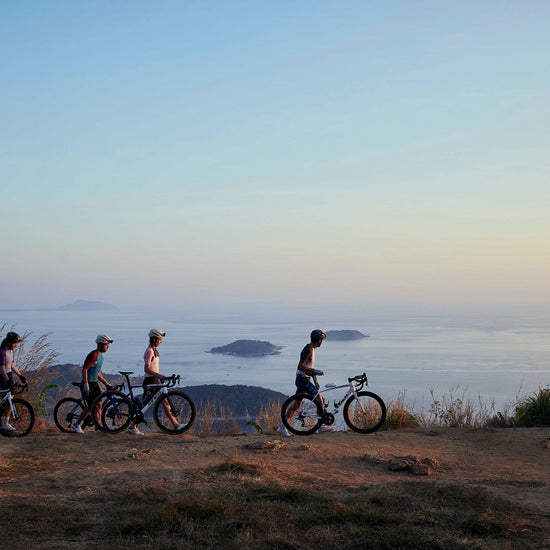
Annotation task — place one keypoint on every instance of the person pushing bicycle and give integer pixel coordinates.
(91, 376)
(305, 372)
(152, 374)
(7, 368)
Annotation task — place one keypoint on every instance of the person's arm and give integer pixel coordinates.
(85, 385)
(103, 380)
(90, 360)
(16, 370)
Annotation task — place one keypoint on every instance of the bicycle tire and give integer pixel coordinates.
(22, 420)
(366, 414)
(307, 416)
(116, 412)
(67, 411)
(181, 407)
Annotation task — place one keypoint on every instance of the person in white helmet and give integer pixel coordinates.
(91, 376)
(152, 374)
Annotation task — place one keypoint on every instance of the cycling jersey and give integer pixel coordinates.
(6, 359)
(93, 364)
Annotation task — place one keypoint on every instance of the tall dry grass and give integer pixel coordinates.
(32, 358)
(215, 418)
(269, 417)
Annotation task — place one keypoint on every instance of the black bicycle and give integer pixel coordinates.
(68, 410)
(173, 410)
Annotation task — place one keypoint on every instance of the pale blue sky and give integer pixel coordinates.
(291, 151)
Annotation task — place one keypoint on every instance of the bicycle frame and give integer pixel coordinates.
(7, 398)
(352, 390)
(145, 406)
(17, 388)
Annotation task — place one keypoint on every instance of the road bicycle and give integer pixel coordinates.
(173, 410)
(364, 411)
(22, 413)
(68, 410)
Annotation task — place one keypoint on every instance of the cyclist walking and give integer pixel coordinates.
(152, 375)
(91, 376)
(304, 373)
(7, 368)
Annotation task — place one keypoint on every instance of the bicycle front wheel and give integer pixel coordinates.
(22, 419)
(175, 412)
(366, 413)
(301, 415)
(66, 412)
(114, 409)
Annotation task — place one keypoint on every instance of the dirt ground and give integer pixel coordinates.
(512, 463)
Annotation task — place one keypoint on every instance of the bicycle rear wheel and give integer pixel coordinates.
(175, 412)
(66, 412)
(301, 415)
(366, 414)
(114, 410)
(22, 419)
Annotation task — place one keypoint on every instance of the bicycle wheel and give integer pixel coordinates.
(22, 419)
(66, 412)
(301, 415)
(114, 410)
(366, 414)
(175, 412)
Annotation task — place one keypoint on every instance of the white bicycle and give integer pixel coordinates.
(22, 413)
(364, 411)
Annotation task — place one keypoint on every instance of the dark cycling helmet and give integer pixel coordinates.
(156, 333)
(318, 335)
(103, 339)
(13, 337)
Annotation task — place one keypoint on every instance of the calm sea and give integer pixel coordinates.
(498, 358)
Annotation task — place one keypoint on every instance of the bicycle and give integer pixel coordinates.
(22, 413)
(173, 411)
(68, 410)
(364, 411)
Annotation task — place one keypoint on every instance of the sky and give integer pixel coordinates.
(239, 152)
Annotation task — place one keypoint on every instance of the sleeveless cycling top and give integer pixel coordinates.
(93, 364)
(149, 357)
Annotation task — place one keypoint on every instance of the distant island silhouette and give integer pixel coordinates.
(77, 305)
(85, 305)
(248, 348)
(345, 335)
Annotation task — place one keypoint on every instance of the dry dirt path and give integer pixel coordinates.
(513, 462)
(51, 473)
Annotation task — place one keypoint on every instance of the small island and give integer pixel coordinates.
(343, 335)
(248, 348)
(85, 305)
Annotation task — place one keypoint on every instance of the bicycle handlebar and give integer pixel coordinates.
(360, 379)
(20, 388)
(172, 380)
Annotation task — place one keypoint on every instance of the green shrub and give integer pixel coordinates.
(534, 410)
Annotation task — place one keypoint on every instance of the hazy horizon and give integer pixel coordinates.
(232, 154)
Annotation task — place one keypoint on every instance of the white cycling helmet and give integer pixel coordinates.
(156, 333)
(103, 339)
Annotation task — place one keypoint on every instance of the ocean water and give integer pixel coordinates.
(496, 358)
